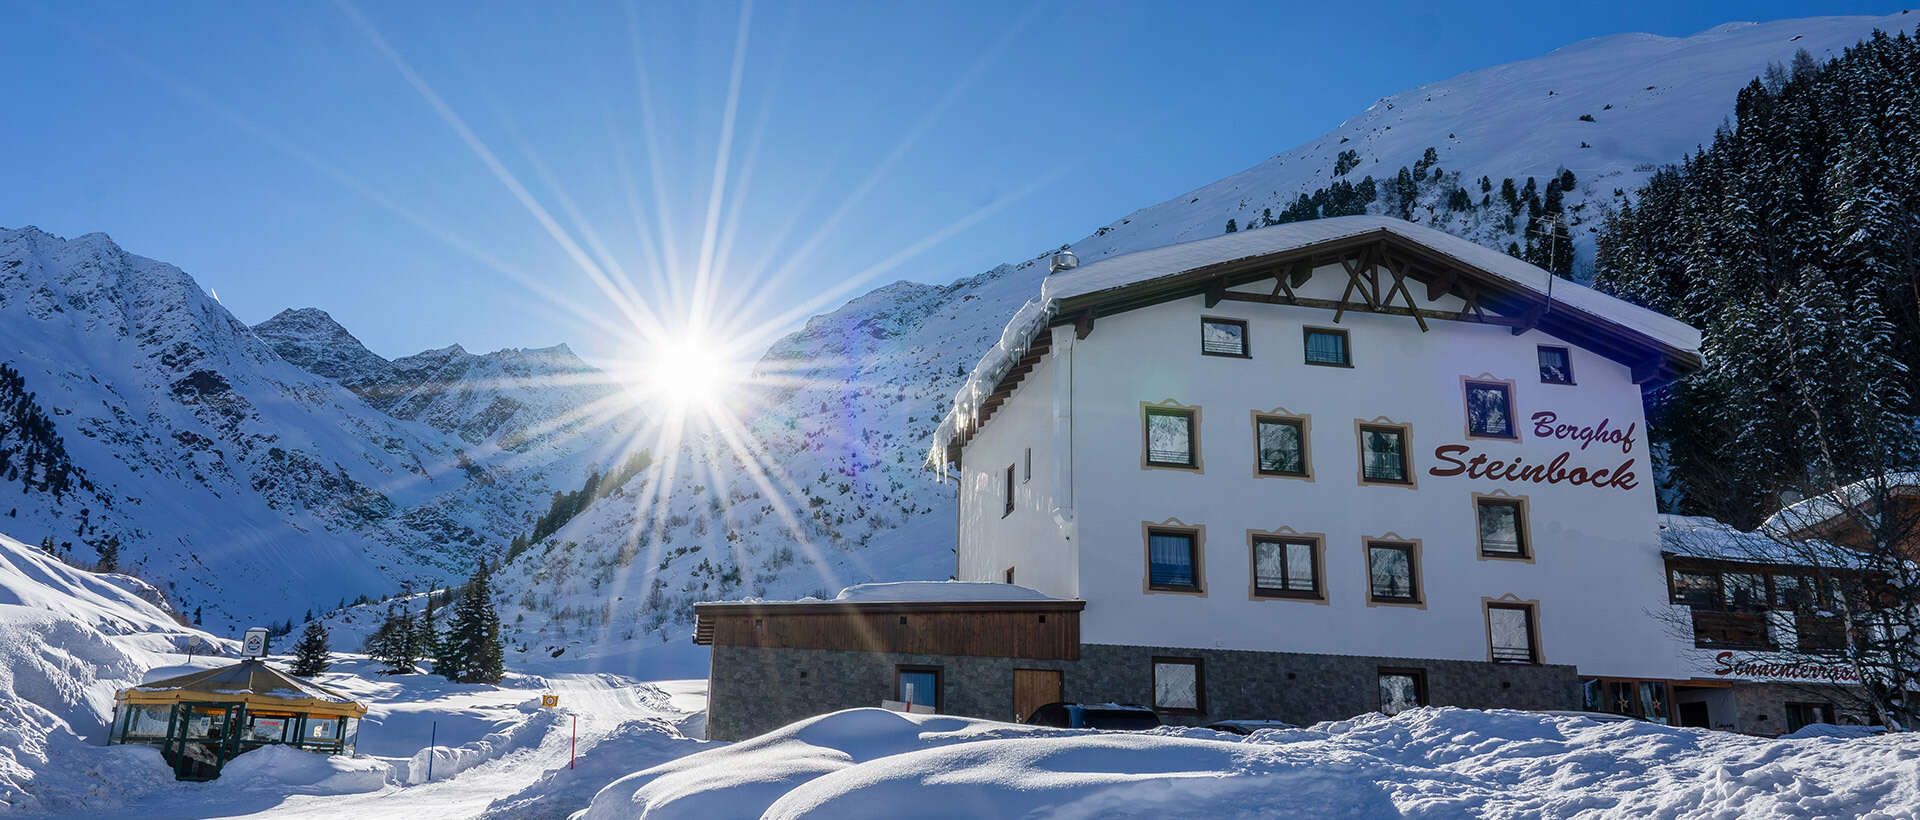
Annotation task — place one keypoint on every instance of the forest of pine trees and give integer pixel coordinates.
(30, 451)
(1536, 215)
(565, 506)
(468, 650)
(1792, 242)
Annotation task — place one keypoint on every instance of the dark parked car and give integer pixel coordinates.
(1113, 716)
(1247, 727)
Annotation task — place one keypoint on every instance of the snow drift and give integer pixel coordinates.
(69, 639)
(1438, 761)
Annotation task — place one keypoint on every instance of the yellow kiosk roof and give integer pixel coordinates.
(252, 682)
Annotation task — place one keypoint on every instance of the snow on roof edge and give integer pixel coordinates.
(913, 592)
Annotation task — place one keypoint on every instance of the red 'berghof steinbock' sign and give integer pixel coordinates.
(1454, 459)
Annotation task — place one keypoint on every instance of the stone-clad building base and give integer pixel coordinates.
(757, 689)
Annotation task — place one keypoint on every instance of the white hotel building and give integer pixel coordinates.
(1295, 473)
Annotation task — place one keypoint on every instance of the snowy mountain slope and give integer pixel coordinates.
(875, 375)
(1652, 99)
(249, 488)
(69, 639)
(508, 398)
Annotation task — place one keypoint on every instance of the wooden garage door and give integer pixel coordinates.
(1034, 688)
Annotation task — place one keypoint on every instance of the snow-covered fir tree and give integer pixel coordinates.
(473, 653)
(1791, 241)
(393, 643)
(311, 655)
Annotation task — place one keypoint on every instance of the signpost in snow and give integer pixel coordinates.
(255, 645)
(433, 739)
(549, 701)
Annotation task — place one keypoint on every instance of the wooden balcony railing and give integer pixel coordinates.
(1821, 634)
(1730, 630)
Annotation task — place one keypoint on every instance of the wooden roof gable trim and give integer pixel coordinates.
(1516, 307)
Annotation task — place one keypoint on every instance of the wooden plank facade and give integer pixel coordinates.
(1040, 630)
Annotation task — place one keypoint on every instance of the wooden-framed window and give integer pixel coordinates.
(1393, 572)
(1502, 524)
(1384, 453)
(1401, 689)
(1327, 347)
(1513, 634)
(1280, 446)
(1556, 365)
(1743, 591)
(1179, 686)
(1223, 337)
(1286, 566)
(1007, 507)
(919, 685)
(1172, 436)
(1490, 409)
(1798, 592)
(1174, 559)
(1694, 588)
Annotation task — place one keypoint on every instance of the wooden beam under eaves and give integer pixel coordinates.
(1083, 324)
(1442, 284)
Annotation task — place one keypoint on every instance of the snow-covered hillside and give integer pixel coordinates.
(843, 445)
(252, 489)
(1651, 100)
(68, 640)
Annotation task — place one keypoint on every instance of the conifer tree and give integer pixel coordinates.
(475, 632)
(311, 655)
(109, 549)
(392, 644)
(426, 634)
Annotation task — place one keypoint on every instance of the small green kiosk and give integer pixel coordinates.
(203, 719)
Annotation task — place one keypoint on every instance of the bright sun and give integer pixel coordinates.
(687, 375)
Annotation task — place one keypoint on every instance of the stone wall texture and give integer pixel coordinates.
(1762, 707)
(754, 690)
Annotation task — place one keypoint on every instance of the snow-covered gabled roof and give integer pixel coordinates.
(1810, 513)
(1701, 537)
(1163, 269)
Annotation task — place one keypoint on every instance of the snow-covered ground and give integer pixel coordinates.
(498, 754)
(1437, 762)
(69, 639)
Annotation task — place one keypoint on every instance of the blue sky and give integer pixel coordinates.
(280, 153)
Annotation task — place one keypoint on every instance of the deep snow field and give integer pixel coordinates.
(1436, 762)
